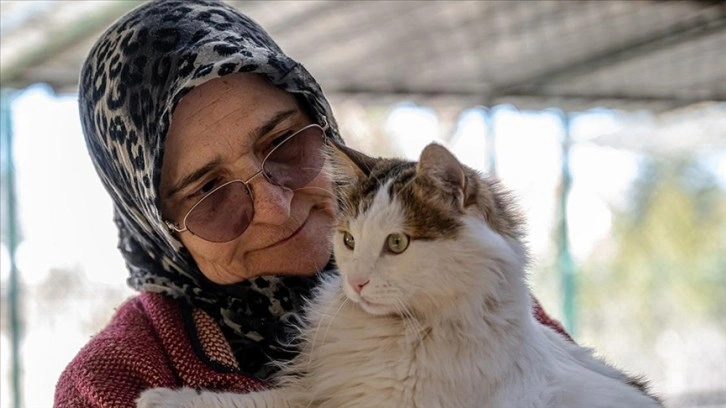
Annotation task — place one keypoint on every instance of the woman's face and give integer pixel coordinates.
(220, 131)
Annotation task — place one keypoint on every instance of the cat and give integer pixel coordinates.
(431, 307)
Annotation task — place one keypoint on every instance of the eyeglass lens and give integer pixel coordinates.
(226, 213)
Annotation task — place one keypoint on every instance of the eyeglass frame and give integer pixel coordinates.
(173, 227)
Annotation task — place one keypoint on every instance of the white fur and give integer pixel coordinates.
(447, 323)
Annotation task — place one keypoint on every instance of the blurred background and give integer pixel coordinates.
(607, 118)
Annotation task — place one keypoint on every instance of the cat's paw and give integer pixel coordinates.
(166, 398)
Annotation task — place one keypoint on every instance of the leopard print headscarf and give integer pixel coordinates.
(133, 78)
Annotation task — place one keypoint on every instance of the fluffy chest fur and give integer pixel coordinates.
(363, 360)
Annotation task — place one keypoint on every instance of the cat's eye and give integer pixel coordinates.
(348, 240)
(397, 242)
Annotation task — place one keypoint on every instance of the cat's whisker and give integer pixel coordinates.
(322, 315)
(409, 330)
(332, 318)
(401, 313)
(410, 322)
(416, 330)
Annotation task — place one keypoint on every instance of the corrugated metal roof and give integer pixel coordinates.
(576, 54)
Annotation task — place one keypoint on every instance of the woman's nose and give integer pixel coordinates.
(272, 202)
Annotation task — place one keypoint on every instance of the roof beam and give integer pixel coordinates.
(432, 92)
(672, 36)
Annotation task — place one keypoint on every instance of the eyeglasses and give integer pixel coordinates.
(224, 213)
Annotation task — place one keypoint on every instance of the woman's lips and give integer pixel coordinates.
(290, 237)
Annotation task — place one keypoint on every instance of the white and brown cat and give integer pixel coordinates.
(431, 308)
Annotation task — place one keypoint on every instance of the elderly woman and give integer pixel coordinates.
(208, 139)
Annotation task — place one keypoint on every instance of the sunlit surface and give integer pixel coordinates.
(72, 275)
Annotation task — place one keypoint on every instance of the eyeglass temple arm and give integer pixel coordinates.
(174, 228)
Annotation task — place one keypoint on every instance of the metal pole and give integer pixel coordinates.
(11, 240)
(491, 137)
(564, 256)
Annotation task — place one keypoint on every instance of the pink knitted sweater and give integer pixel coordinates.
(150, 342)
(153, 342)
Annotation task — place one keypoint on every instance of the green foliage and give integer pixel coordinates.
(668, 254)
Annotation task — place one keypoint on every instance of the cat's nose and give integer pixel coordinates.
(357, 285)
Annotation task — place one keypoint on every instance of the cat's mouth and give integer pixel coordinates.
(377, 309)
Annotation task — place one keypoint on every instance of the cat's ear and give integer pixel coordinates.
(349, 163)
(437, 163)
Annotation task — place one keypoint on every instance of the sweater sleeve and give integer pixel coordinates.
(545, 319)
(116, 365)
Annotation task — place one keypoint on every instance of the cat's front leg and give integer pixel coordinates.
(190, 398)
(168, 398)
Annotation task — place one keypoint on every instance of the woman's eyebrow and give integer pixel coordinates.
(207, 167)
(193, 176)
(271, 124)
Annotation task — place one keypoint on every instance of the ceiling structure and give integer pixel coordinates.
(624, 54)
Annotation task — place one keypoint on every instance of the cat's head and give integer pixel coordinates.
(413, 235)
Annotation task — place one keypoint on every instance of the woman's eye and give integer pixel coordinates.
(205, 189)
(397, 242)
(277, 141)
(281, 139)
